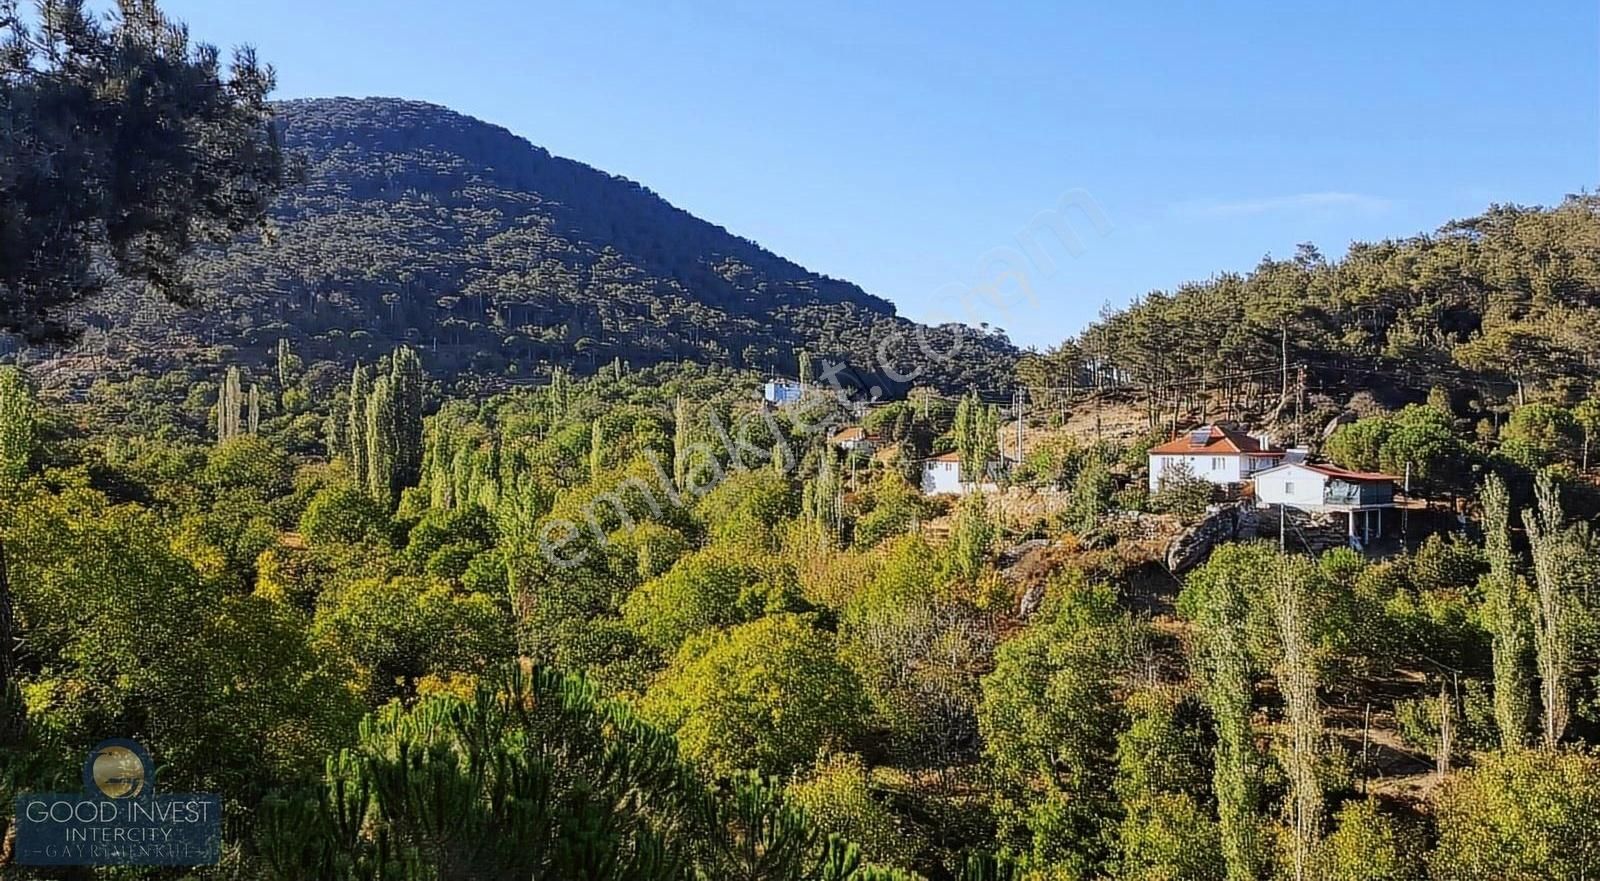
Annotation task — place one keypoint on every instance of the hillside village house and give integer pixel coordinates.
(942, 474)
(1221, 455)
(1361, 495)
(854, 439)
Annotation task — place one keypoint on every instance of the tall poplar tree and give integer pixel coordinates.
(356, 423)
(1505, 616)
(381, 441)
(230, 406)
(405, 384)
(1227, 691)
(1297, 682)
(1553, 637)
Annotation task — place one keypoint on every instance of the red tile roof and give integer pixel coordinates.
(851, 433)
(946, 457)
(1219, 442)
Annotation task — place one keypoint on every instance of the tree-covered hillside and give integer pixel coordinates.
(1502, 304)
(417, 224)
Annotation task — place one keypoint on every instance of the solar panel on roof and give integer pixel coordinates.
(1199, 437)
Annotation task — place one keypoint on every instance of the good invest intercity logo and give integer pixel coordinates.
(118, 819)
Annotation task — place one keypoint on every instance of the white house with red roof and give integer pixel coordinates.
(1362, 495)
(1222, 455)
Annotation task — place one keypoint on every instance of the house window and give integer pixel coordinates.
(1288, 487)
(1217, 463)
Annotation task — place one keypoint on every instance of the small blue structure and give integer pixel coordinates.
(783, 391)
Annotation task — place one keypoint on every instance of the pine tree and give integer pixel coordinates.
(356, 423)
(1553, 638)
(805, 367)
(19, 420)
(255, 410)
(1504, 608)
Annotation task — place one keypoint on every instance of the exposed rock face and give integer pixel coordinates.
(1334, 424)
(1313, 533)
(1231, 522)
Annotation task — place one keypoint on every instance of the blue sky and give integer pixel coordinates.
(899, 145)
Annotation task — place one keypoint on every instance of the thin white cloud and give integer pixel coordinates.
(1302, 202)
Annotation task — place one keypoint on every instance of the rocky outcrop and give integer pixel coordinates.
(1313, 533)
(1232, 522)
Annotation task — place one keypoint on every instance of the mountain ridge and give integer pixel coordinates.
(420, 225)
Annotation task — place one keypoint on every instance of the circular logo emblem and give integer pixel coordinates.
(118, 769)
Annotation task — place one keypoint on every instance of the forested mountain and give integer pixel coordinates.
(414, 223)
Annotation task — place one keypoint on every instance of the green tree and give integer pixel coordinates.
(1366, 845)
(122, 145)
(383, 442)
(1297, 680)
(356, 421)
(1553, 607)
(1091, 496)
(1228, 668)
(972, 537)
(19, 423)
(343, 514)
(1538, 435)
(764, 696)
(1505, 616)
(248, 465)
(1520, 816)
(396, 631)
(1167, 837)
(1048, 720)
(710, 589)
(406, 378)
(1587, 415)
(230, 406)
(838, 796)
(129, 637)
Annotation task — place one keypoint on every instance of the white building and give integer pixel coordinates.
(1223, 456)
(1362, 495)
(942, 474)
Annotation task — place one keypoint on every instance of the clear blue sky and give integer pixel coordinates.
(898, 145)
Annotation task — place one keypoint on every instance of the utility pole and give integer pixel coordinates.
(1405, 513)
(1283, 344)
(1021, 394)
